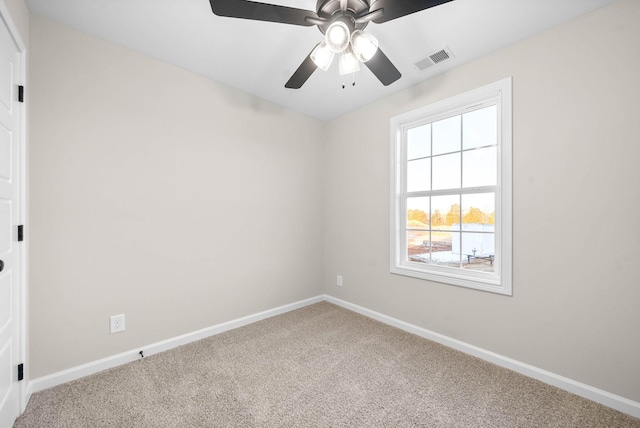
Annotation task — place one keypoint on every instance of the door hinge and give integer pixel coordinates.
(20, 371)
(20, 233)
(21, 93)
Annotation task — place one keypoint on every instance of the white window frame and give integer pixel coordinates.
(499, 281)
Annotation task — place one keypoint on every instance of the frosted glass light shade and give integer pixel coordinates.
(364, 45)
(322, 56)
(348, 62)
(337, 36)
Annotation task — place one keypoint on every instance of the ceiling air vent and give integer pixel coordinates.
(434, 58)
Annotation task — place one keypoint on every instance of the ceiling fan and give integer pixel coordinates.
(342, 22)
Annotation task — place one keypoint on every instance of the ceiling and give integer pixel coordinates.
(259, 57)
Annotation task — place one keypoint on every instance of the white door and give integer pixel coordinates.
(10, 217)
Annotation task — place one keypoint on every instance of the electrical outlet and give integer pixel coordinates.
(116, 323)
(339, 280)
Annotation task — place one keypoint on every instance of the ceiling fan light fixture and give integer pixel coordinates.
(322, 56)
(337, 36)
(337, 20)
(364, 45)
(348, 62)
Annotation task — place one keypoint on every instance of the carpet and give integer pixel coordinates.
(319, 366)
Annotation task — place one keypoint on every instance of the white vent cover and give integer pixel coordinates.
(433, 58)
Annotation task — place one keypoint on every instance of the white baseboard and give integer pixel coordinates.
(603, 397)
(599, 396)
(83, 370)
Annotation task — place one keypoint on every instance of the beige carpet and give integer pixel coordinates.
(320, 366)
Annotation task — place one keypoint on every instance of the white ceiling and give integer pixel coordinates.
(259, 57)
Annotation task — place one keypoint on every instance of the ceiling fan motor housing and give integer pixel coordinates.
(329, 11)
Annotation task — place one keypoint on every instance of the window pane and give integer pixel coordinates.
(446, 135)
(479, 128)
(445, 212)
(442, 244)
(446, 172)
(478, 231)
(480, 167)
(478, 251)
(418, 213)
(419, 142)
(479, 208)
(418, 246)
(419, 175)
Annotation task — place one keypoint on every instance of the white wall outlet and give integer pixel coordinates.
(116, 323)
(339, 280)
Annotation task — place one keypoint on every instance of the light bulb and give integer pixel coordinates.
(322, 56)
(348, 62)
(337, 36)
(364, 45)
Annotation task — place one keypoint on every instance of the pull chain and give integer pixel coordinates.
(352, 83)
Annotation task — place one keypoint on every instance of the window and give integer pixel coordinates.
(451, 190)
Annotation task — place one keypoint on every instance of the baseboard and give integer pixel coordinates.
(83, 370)
(599, 396)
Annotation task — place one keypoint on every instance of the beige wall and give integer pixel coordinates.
(20, 17)
(159, 194)
(576, 131)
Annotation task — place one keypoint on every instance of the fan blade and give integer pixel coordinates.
(397, 8)
(301, 75)
(262, 12)
(383, 69)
